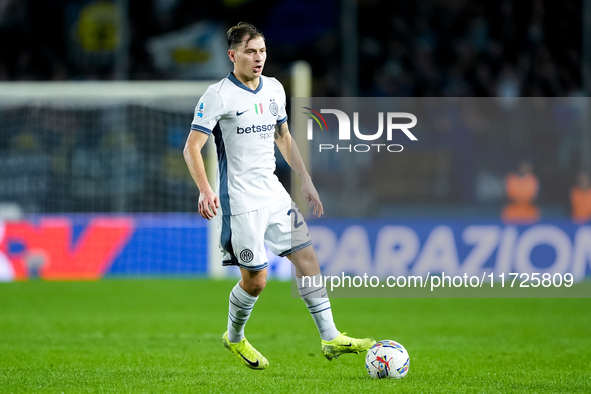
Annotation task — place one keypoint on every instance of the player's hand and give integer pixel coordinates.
(310, 194)
(208, 204)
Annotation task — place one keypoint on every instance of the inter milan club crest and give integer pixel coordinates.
(246, 256)
(274, 108)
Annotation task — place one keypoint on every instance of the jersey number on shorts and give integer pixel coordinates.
(296, 224)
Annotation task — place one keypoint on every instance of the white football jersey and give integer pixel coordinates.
(243, 123)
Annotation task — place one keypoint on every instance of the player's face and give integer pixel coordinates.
(249, 59)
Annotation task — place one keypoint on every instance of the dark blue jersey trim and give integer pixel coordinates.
(234, 261)
(238, 306)
(320, 311)
(236, 82)
(237, 300)
(202, 129)
(223, 171)
(313, 291)
(296, 248)
(322, 303)
(226, 236)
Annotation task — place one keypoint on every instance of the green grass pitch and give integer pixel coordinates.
(164, 336)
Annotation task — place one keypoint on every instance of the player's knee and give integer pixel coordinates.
(305, 256)
(259, 285)
(310, 255)
(305, 262)
(255, 286)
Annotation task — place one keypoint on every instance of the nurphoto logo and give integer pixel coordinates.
(344, 130)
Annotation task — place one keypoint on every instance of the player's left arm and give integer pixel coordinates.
(290, 152)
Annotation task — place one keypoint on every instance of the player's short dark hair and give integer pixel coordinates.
(242, 32)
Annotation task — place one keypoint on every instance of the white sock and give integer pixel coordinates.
(241, 304)
(315, 297)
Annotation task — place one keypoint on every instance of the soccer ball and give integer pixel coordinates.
(387, 359)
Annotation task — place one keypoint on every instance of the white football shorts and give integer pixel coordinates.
(280, 226)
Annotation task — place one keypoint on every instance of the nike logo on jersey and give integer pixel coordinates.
(240, 113)
(348, 344)
(248, 361)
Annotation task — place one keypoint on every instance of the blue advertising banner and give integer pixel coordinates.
(93, 246)
(456, 247)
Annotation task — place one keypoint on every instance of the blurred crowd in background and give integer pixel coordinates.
(406, 48)
(422, 48)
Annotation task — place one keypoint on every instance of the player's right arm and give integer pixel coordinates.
(208, 112)
(208, 200)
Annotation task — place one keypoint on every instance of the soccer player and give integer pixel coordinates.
(246, 112)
